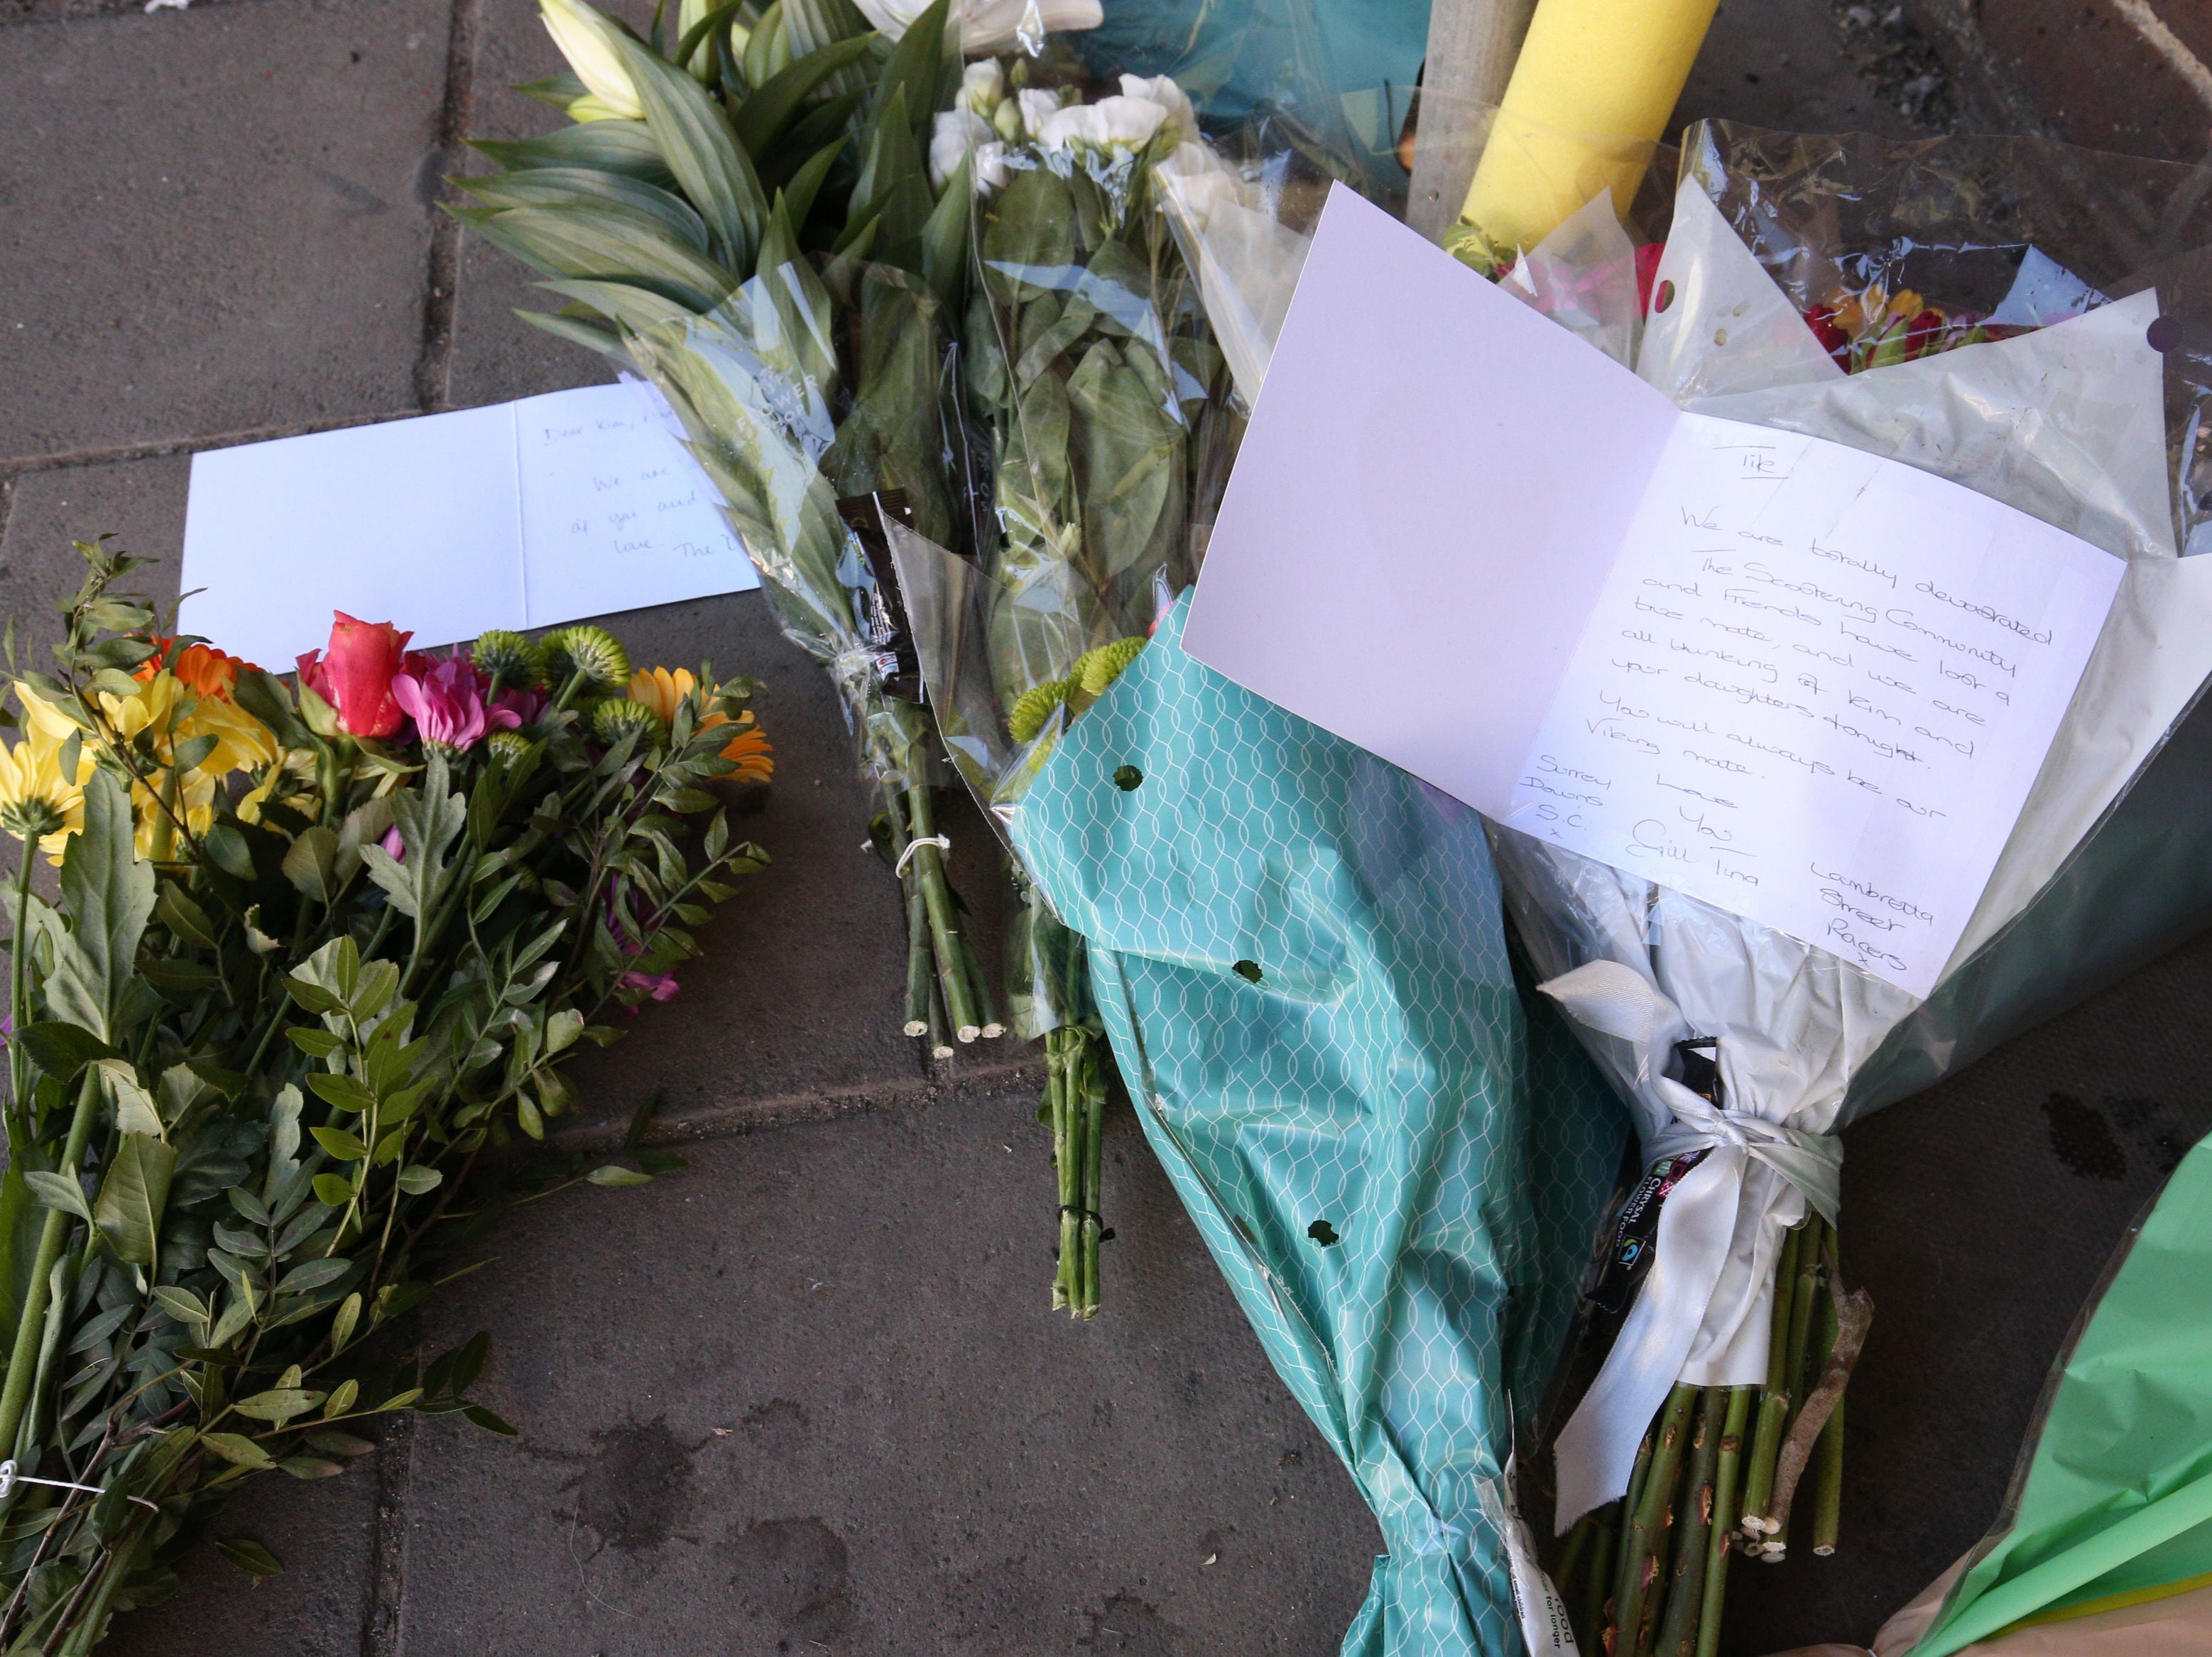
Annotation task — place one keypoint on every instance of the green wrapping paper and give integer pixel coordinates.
(2113, 1505)
(1299, 956)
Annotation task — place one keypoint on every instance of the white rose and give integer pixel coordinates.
(1163, 91)
(982, 85)
(957, 131)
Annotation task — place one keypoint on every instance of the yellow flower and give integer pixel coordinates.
(42, 716)
(36, 798)
(291, 784)
(173, 716)
(155, 836)
(664, 691)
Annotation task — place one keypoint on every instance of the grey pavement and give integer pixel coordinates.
(806, 1395)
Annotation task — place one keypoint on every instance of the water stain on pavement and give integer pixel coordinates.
(796, 1573)
(1127, 1624)
(635, 1489)
(2082, 1140)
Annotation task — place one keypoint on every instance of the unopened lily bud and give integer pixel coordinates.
(589, 42)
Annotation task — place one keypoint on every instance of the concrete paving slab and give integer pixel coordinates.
(807, 1396)
(315, 1609)
(1784, 64)
(215, 220)
(141, 502)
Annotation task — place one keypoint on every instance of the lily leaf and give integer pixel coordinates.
(713, 171)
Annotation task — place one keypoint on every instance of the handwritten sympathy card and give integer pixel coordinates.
(1801, 682)
(521, 514)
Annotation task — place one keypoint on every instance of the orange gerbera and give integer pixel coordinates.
(664, 691)
(200, 668)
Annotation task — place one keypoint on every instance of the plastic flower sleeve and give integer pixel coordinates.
(1299, 956)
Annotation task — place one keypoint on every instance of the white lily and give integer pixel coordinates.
(960, 132)
(988, 27)
(587, 40)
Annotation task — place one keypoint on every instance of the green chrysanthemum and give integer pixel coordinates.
(509, 657)
(619, 717)
(593, 652)
(1098, 669)
(508, 747)
(1034, 708)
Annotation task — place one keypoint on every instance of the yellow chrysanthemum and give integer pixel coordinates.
(173, 716)
(155, 834)
(36, 798)
(291, 784)
(663, 691)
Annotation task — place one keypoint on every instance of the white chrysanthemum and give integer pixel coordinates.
(587, 41)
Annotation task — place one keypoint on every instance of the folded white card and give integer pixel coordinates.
(1803, 683)
(522, 514)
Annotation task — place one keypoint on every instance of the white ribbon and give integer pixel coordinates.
(1697, 1316)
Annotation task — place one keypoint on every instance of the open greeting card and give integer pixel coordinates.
(521, 514)
(1800, 682)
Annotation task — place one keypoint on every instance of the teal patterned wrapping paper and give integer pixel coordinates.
(1380, 1083)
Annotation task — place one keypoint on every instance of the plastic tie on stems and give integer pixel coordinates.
(942, 842)
(9, 1478)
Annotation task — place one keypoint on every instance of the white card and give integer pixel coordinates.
(1800, 682)
(523, 514)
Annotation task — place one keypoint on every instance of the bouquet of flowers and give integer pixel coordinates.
(1897, 301)
(746, 215)
(315, 952)
(1103, 402)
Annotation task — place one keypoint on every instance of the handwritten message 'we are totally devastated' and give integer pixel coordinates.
(1798, 681)
(1816, 687)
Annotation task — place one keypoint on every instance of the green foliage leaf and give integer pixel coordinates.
(427, 817)
(311, 1467)
(62, 1050)
(615, 1175)
(240, 1450)
(109, 895)
(313, 1275)
(279, 1404)
(332, 1190)
(346, 1093)
(226, 848)
(416, 1179)
(182, 1304)
(183, 916)
(311, 864)
(345, 1147)
(489, 1422)
(331, 1442)
(133, 1197)
(247, 1554)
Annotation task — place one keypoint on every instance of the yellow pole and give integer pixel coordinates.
(1595, 83)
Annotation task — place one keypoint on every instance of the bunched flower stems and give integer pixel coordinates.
(1647, 1576)
(1075, 1107)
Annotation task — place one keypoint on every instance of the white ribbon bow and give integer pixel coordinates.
(1700, 1316)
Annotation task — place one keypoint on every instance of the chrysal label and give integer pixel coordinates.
(1542, 1613)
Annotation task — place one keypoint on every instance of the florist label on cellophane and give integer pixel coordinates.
(1800, 682)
